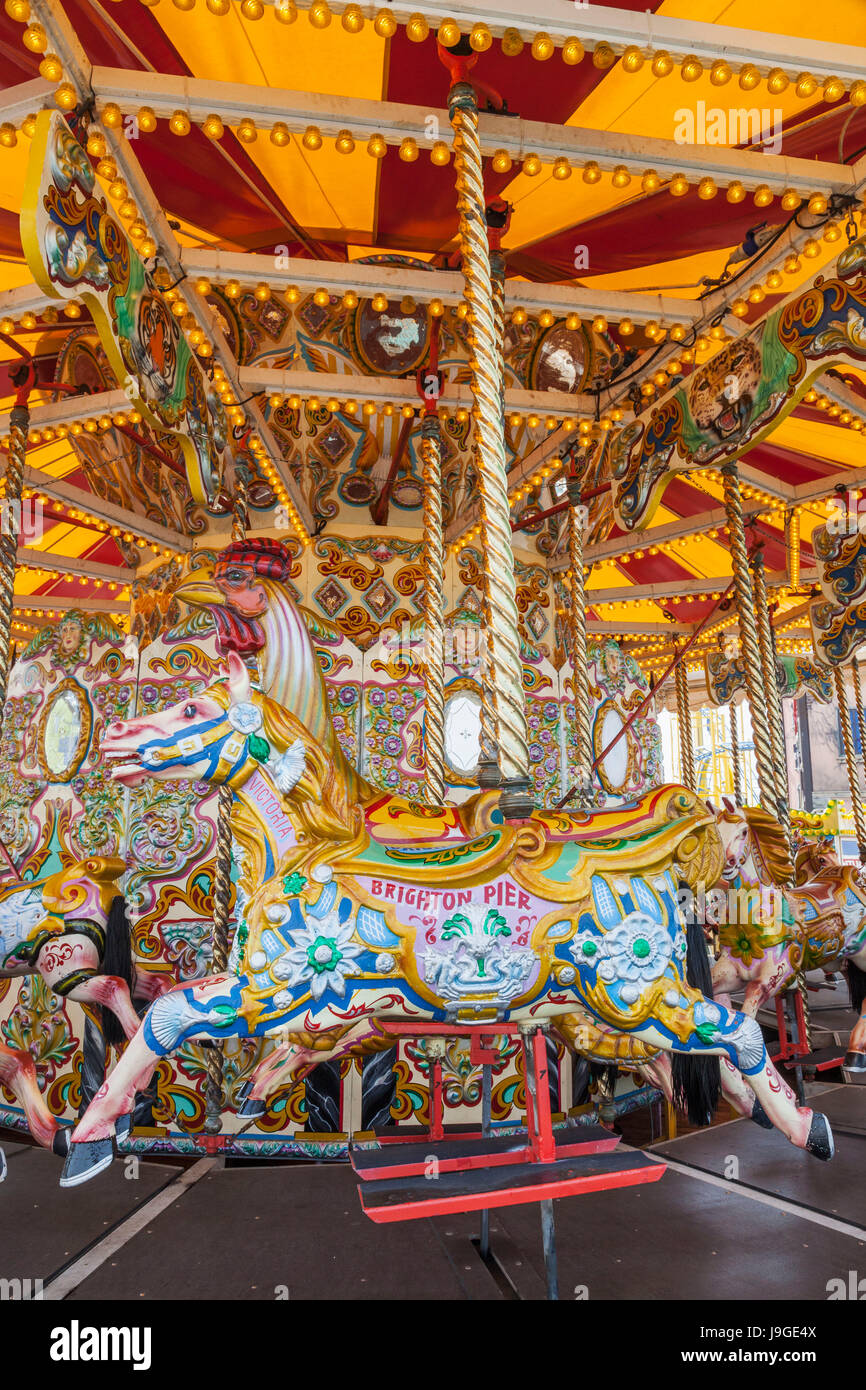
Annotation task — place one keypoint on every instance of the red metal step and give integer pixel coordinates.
(409, 1198)
(821, 1060)
(461, 1154)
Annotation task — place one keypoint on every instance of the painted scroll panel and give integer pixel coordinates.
(76, 248)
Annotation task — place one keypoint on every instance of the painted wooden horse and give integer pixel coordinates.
(351, 912)
(70, 927)
(770, 928)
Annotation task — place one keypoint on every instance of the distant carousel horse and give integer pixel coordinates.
(351, 913)
(70, 927)
(771, 930)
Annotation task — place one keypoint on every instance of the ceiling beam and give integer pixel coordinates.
(165, 94)
(25, 99)
(67, 408)
(399, 390)
(686, 587)
(73, 565)
(649, 31)
(448, 285)
(105, 511)
(41, 602)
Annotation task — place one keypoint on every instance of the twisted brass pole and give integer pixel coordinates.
(434, 627)
(222, 881)
(850, 762)
(579, 655)
(19, 423)
(735, 754)
(506, 670)
(684, 722)
(489, 774)
(771, 691)
(858, 704)
(749, 638)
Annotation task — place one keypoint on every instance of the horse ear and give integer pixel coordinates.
(239, 679)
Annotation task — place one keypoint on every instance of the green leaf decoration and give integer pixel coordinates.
(260, 748)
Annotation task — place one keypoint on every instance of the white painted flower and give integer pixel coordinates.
(637, 951)
(245, 717)
(323, 954)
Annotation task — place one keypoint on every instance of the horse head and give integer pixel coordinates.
(225, 734)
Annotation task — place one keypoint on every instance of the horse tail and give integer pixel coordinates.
(696, 1080)
(117, 960)
(856, 986)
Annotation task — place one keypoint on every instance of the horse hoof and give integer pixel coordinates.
(122, 1127)
(61, 1142)
(243, 1090)
(253, 1109)
(760, 1116)
(85, 1160)
(820, 1141)
(2, 1166)
(854, 1068)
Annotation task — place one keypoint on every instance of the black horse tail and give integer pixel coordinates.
(117, 960)
(856, 986)
(697, 1081)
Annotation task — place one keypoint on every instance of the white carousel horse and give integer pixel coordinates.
(351, 913)
(69, 927)
(771, 927)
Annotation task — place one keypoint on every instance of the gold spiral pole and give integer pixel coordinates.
(771, 690)
(579, 655)
(861, 714)
(19, 423)
(506, 670)
(850, 761)
(489, 774)
(735, 754)
(684, 725)
(749, 638)
(434, 627)
(222, 881)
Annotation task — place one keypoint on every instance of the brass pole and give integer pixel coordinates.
(489, 774)
(735, 754)
(222, 882)
(858, 705)
(19, 423)
(749, 638)
(771, 691)
(684, 724)
(579, 654)
(434, 627)
(506, 670)
(850, 762)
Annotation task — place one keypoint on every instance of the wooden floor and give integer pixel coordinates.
(785, 1226)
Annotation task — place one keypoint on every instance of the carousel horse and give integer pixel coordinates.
(352, 912)
(71, 929)
(778, 921)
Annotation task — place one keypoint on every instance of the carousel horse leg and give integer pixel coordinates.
(854, 1066)
(702, 1027)
(202, 1009)
(70, 966)
(736, 1090)
(150, 984)
(18, 1072)
(293, 1061)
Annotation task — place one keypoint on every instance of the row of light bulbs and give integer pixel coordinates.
(541, 45)
(560, 167)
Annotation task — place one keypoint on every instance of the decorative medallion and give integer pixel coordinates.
(331, 597)
(64, 732)
(380, 599)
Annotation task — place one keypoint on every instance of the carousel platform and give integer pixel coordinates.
(783, 1228)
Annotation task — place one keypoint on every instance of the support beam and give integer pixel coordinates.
(396, 281)
(73, 496)
(69, 408)
(47, 603)
(344, 386)
(74, 566)
(685, 586)
(25, 99)
(232, 101)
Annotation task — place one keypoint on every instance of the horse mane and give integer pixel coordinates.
(770, 844)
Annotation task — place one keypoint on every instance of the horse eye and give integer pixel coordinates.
(189, 712)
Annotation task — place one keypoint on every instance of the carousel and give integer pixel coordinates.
(432, 590)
